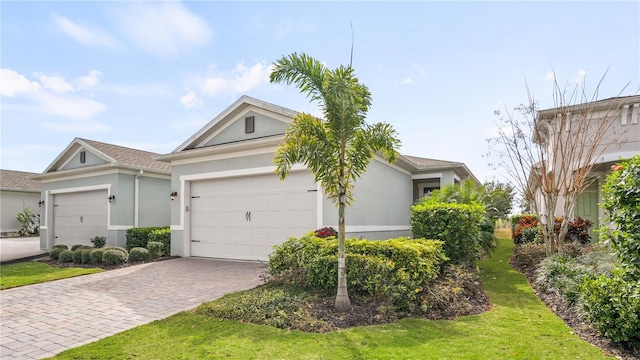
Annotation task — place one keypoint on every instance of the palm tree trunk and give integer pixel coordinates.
(342, 303)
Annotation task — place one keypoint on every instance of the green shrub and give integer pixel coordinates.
(113, 257)
(155, 249)
(76, 247)
(55, 252)
(117, 248)
(563, 276)
(77, 255)
(86, 256)
(457, 225)
(99, 242)
(612, 304)
(621, 201)
(139, 237)
(96, 256)
(66, 256)
(393, 270)
(162, 236)
(139, 254)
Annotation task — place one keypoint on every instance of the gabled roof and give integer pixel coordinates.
(18, 180)
(612, 103)
(234, 109)
(113, 155)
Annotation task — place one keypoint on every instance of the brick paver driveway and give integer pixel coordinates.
(42, 320)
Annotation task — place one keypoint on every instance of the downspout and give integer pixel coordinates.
(136, 200)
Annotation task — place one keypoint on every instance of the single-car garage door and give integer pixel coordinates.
(242, 218)
(80, 216)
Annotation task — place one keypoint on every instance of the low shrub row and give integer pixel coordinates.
(109, 255)
(393, 270)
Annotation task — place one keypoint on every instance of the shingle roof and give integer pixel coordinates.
(18, 180)
(425, 162)
(128, 156)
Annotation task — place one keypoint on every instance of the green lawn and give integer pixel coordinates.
(32, 272)
(518, 326)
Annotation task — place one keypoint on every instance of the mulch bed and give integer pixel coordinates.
(571, 316)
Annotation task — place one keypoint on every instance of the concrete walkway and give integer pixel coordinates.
(18, 248)
(41, 320)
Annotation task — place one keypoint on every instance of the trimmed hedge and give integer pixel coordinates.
(66, 256)
(155, 249)
(139, 254)
(113, 257)
(139, 237)
(96, 256)
(395, 270)
(162, 236)
(457, 225)
(55, 252)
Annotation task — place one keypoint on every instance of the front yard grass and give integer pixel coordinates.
(32, 272)
(519, 326)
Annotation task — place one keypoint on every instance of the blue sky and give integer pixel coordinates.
(150, 74)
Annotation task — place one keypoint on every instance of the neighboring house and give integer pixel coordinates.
(17, 192)
(624, 135)
(230, 204)
(97, 189)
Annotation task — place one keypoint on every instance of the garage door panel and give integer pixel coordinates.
(278, 210)
(78, 217)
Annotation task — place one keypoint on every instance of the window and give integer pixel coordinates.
(249, 124)
(83, 157)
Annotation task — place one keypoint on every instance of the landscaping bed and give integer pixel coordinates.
(572, 317)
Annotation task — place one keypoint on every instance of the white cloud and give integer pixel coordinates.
(72, 107)
(90, 80)
(55, 83)
(407, 81)
(12, 83)
(190, 99)
(76, 127)
(85, 35)
(239, 80)
(163, 28)
(550, 76)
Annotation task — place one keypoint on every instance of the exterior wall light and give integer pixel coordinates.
(111, 198)
(40, 203)
(173, 195)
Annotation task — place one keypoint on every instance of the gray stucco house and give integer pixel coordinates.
(98, 189)
(17, 192)
(230, 204)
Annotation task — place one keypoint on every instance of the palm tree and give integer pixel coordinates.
(338, 148)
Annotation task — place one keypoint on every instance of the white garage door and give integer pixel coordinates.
(79, 217)
(242, 218)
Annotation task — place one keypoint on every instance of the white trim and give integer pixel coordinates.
(426, 176)
(635, 113)
(81, 189)
(236, 154)
(394, 166)
(66, 162)
(119, 227)
(375, 228)
(87, 172)
(237, 173)
(623, 116)
(176, 228)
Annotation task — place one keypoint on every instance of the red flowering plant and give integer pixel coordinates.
(326, 232)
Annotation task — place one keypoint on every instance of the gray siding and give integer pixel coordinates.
(154, 208)
(264, 126)
(90, 160)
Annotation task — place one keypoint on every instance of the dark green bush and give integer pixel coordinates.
(162, 236)
(155, 249)
(139, 237)
(393, 270)
(96, 256)
(76, 247)
(117, 248)
(66, 256)
(139, 254)
(86, 256)
(113, 257)
(457, 225)
(55, 252)
(77, 255)
(612, 304)
(99, 242)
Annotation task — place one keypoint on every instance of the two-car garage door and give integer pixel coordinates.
(243, 217)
